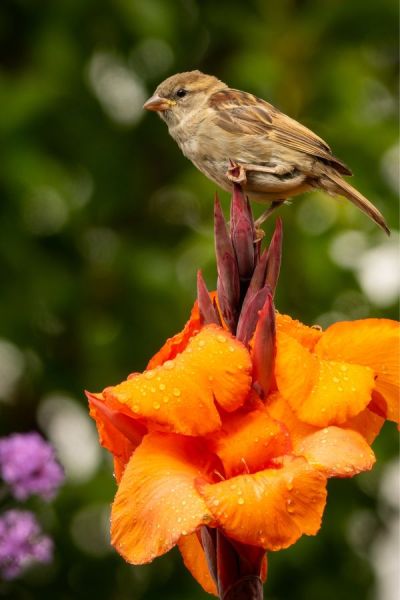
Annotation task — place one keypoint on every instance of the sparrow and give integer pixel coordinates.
(234, 137)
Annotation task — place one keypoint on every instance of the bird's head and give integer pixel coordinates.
(181, 95)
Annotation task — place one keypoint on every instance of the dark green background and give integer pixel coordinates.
(104, 224)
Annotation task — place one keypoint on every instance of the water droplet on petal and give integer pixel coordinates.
(216, 502)
(176, 392)
(156, 405)
(161, 386)
(135, 408)
(149, 374)
(169, 364)
(221, 338)
(166, 399)
(240, 501)
(202, 343)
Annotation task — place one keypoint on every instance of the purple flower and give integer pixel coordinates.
(28, 466)
(21, 543)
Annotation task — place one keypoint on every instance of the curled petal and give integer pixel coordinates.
(118, 432)
(250, 313)
(306, 336)
(195, 561)
(272, 508)
(367, 423)
(156, 502)
(337, 452)
(248, 442)
(180, 395)
(320, 392)
(374, 343)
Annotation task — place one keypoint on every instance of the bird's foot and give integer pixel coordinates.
(236, 173)
(274, 205)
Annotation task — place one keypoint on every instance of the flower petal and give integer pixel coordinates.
(248, 442)
(374, 343)
(367, 423)
(306, 336)
(320, 392)
(180, 395)
(195, 561)
(118, 433)
(157, 502)
(338, 452)
(271, 508)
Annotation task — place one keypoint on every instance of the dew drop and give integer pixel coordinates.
(201, 343)
(179, 519)
(231, 349)
(343, 368)
(161, 387)
(153, 389)
(216, 502)
(210, 378)
(221, 338)
(166, 399)
(340, 389)
(240, 501)
(176, 392)
(336, 380)
(156, 405)
(135, 408)
(169, 364)
(149, 374)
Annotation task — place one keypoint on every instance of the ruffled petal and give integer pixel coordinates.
(280, 410)
(367, 423)
(306, 336)
(195, 561)
(118, 433)
(157, 502)
(374, 343)
(271, 508)
(321, 392)
(180, 395)
(249, 441)
(337, 452)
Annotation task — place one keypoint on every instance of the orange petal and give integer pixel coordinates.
(271, 508)
(338, 452)
(306, 336)
(195, 561)
(157, 501)
(280, 410)
(374, 343)
(118, 433)
(320, 392)
(367, 423)
(176, 344)
(180, 395)
(249, 441)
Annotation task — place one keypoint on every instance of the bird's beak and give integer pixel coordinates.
(158, 104)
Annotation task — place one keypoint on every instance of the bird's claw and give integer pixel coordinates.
(236, 173)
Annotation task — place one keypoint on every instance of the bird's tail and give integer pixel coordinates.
(336, 185)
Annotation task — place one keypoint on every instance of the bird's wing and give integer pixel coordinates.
(244, 114)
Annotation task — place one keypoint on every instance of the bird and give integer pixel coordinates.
(234, 137)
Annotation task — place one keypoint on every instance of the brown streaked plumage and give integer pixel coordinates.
(233, 136)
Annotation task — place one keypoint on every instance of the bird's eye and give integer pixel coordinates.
(181, 93)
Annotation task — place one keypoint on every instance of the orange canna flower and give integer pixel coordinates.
(224, 445)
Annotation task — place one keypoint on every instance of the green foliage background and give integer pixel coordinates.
(104, 224)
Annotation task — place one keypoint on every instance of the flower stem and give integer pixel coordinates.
(249, 587)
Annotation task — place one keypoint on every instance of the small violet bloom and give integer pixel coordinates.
(28, 465)
(21, 543)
